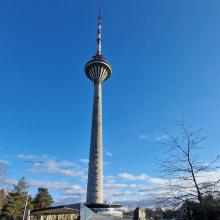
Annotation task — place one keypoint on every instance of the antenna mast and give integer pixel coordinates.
(99, 38)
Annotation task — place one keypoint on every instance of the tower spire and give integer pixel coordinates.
(99, 38)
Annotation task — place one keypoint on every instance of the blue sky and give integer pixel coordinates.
(165, 59)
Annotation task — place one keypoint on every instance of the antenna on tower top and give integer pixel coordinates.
(99, 43)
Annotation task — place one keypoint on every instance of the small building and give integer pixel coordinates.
(66, 212)
(77, 211)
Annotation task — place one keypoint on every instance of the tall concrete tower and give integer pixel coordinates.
(97, 70)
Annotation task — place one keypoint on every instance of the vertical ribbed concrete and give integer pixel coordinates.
(97, 70)
(95, 175)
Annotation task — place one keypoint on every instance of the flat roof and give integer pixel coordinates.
(64, 209)
(70, 209)
(101, 205)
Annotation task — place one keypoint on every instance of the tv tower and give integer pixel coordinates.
(97, 70)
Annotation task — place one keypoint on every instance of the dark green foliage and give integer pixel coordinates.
(209, 211)
(16, 200)
(190, 210)
(12, 204)
(43, 199)
(170, 213)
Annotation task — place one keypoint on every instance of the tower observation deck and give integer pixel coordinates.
(97, 70)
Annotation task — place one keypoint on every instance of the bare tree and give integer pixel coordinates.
(187, 175)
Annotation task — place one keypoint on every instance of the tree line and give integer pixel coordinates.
(189, 210)
(12, 202)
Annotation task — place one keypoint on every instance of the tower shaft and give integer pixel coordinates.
(95, 174)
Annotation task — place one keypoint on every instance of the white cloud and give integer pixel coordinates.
(108, 154)
(8, 181)
(84, 160)
(143, 137)
(52, 166)
(144, 193)
(65, 172)
(125, 187)
(62, 187)
(26, 157)
(4, 162)
(68, 193)
(64, 163)
(115, 186)
(33, 157)
(161, 137)
(157, 181)
(66, 168)
(58, 185)
(146, 190)
(109, 177)
(128, 176)
(152, 138)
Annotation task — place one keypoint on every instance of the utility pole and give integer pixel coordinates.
(33, 163)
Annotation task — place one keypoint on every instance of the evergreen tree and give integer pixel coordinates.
(42, 199)
(16, 200)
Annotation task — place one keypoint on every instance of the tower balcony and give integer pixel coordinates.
(98, 69)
